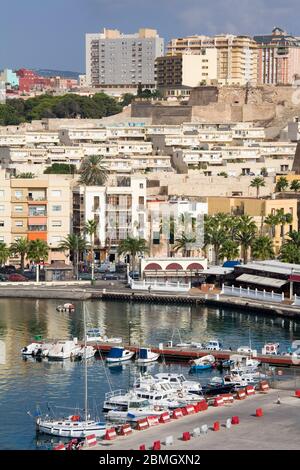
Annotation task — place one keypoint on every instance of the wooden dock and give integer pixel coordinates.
(177, 354)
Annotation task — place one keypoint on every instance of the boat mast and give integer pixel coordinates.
(85, 368)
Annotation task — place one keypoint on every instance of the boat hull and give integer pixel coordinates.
(63, 430)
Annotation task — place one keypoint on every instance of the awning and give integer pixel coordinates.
(263, 281)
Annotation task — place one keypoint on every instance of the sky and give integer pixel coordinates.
(51, 33)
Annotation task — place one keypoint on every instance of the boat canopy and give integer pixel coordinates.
(143, 354)
(116, 353)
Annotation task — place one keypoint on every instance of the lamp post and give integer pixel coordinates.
(291, 285)
(129, 332)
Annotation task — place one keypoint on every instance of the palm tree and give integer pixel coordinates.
(295, 185)
(20, 247)
(216, 232)
(257, 183)
(184, 244)
(76, 245)
(282, 184)
(133, 247)
(245, 234)
(284, 219)
(93, 172)
(272, 220)
(229, 250)
(262, 248)
(90, 229)
(4, 253)
(290, 249)
(38, 251)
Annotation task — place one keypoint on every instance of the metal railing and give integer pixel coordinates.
(167, 286)
(252, 293)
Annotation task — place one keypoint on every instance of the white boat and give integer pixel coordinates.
(126, 406)
(213, 345)
(64, 349)
(247, 350)
(119, 354)
(205, 362)
(245, 363)
(94, 335)
(66, 308)
(145, 355)
(178, 381)
(270, 349)
(30, 349)
(75, 425)
(85, 352)
(37, 349)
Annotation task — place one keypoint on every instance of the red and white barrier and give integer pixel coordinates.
(110, 434)
(241, 394)
(189, 410)
(125, 430)
(250, 390)
(59, 447)
(264, 386)
(201, 406)
(186, 436)
(142, 424)
(153, 420)
(297, 393)
(227, 398)
(178, 413)
(164, 417)
(218, 401)
(90, 440)
(156, 445)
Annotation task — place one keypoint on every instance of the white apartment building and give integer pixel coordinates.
(119, 209)
(113, 58)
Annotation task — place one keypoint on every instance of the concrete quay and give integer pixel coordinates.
(277, 429)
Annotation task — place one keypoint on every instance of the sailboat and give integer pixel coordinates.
(74, 425)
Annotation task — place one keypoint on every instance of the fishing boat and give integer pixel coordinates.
(145, 355)
(124, 406)
(178, 381)
(213, 345)
(66, 308)
(77, 425)
(119, 354)
(202, 363)
(216, 386)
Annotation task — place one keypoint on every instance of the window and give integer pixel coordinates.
(1, 194)
(1, 223)
(141, 185)
(56, 193)
(18, 194)
(19, 223)
(1, 208)
(56, 239)
(56, 208)
(56, 223)
(18, 208)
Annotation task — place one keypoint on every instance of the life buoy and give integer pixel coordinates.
(156, 408)
(180, 395)
(75, 418)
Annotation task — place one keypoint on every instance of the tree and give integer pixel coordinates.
(284, 219)
(272, 220)
(262, 248)
(27, 175)
(295, 185)
(20, 247)
(290, 249)
(4, 253)
(229, 250)
(257, 183)
(245, 234)
(216, 232)
(76, 245)
(93, 172)
(127, 99)
(90, 229)
(38, 251)
(133, 247)
(282, 184)
(184, 244)
(61, 169)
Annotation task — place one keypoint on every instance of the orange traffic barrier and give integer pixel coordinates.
(142, 424)
(259, 412)
(164, 417)
(125, 430)
(178, 413)
(110, 434)
(250, 390)
(235, 420)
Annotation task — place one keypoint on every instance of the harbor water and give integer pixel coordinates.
(27, 383)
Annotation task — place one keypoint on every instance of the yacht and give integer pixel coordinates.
(218, 385)
(64, 349)
(127, 406)
(178, 381)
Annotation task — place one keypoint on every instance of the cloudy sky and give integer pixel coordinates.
(50, 33)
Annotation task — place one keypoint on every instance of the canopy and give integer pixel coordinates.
(260, 280)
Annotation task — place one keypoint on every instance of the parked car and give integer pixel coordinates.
(135, 275)
(3, 278)
(110, 277)
(17, 278)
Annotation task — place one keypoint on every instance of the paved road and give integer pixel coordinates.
(278, 429)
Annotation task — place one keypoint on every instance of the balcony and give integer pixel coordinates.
(37, 228)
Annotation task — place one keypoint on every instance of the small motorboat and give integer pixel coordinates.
(119, 354)
(145, 355)
(87, 353)
(217, 385)
(225, 364)
(30, 349)
(66, 308)
(64, 349)
(213, 345)
(94, 335)
(178, 381)
(202, 363)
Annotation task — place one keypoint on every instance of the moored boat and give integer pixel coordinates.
(119, 354)
(202, 363)
(145, 355)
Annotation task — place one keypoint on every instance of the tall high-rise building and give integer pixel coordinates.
(236, 55)
(113, 58)
(278, 58)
